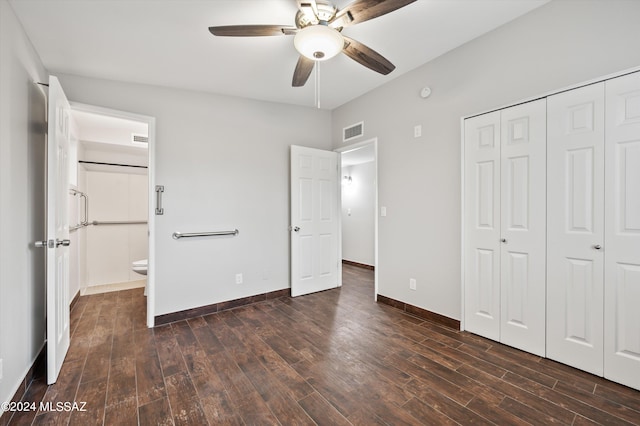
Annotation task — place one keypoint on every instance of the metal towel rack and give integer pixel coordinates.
(178, 235)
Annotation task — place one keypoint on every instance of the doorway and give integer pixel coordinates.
(110, 215)
(359, 206)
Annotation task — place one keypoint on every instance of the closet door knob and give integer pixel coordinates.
(597, 247)
(503, 240)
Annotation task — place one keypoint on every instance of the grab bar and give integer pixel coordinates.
(83, 222)
(118, 222)
(159, 191)
(178, 235)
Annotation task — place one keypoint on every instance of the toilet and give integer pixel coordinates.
(140, 266)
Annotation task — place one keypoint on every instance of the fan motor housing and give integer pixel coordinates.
(326, 12)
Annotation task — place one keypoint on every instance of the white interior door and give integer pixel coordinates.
(482, 225)
(575, 167)
(58, 140)
(523, 200)
(315, 220)
(622, 237)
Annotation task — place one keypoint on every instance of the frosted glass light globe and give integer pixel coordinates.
(318, 42)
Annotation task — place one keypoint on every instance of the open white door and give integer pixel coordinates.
(315, 221)
(58, 138)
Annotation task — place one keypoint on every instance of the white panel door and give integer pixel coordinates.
(315, 261)
(482, 225)
(575, 167)
(622, 236)
(523, 226)
(58, 139)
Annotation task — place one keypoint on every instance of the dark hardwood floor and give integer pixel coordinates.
(330, 358)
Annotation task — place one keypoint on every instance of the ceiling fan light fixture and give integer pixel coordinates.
(318, 42)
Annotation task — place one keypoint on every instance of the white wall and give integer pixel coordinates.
(559, 44)
(22, 156)
(358, 214)
(110, 249)
(224, 163)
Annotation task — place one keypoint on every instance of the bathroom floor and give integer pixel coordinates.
(107, 288)
(334, 357)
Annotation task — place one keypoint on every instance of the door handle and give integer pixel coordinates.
(52, 243)
(503, 240)
(596, 246)
(296, 229)
(63, 243)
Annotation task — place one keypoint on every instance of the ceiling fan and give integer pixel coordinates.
(318, 33)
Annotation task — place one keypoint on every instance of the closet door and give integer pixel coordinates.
(622, 238)
(482, 225)
(575, 177)
(523, 226)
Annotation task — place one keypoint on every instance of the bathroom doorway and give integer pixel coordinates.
(109, 201)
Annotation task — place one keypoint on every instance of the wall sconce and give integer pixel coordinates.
(346, 181)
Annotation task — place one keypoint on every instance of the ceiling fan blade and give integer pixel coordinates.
(366, 56)
(364, 10)
(252, 30)
(303, 71)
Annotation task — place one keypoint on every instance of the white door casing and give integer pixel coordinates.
(622, 231)
(315, 220)
(575, 166)
(482, 225)
(523, 226)
(58, 139)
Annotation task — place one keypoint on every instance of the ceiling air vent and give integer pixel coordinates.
(352, 132)
(139, 139)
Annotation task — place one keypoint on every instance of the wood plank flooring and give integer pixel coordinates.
(330, 358)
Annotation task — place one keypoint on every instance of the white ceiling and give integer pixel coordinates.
(167, 43)
(361, 155)
(93, 127)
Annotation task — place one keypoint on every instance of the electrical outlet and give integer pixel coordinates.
(238, 278)
(412, 283)
(417, 131)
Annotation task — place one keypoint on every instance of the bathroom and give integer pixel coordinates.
(108, 203)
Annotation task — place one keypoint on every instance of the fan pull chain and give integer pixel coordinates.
(318, 84)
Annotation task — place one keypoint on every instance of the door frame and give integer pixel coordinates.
(369, 142)
(151, 122)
